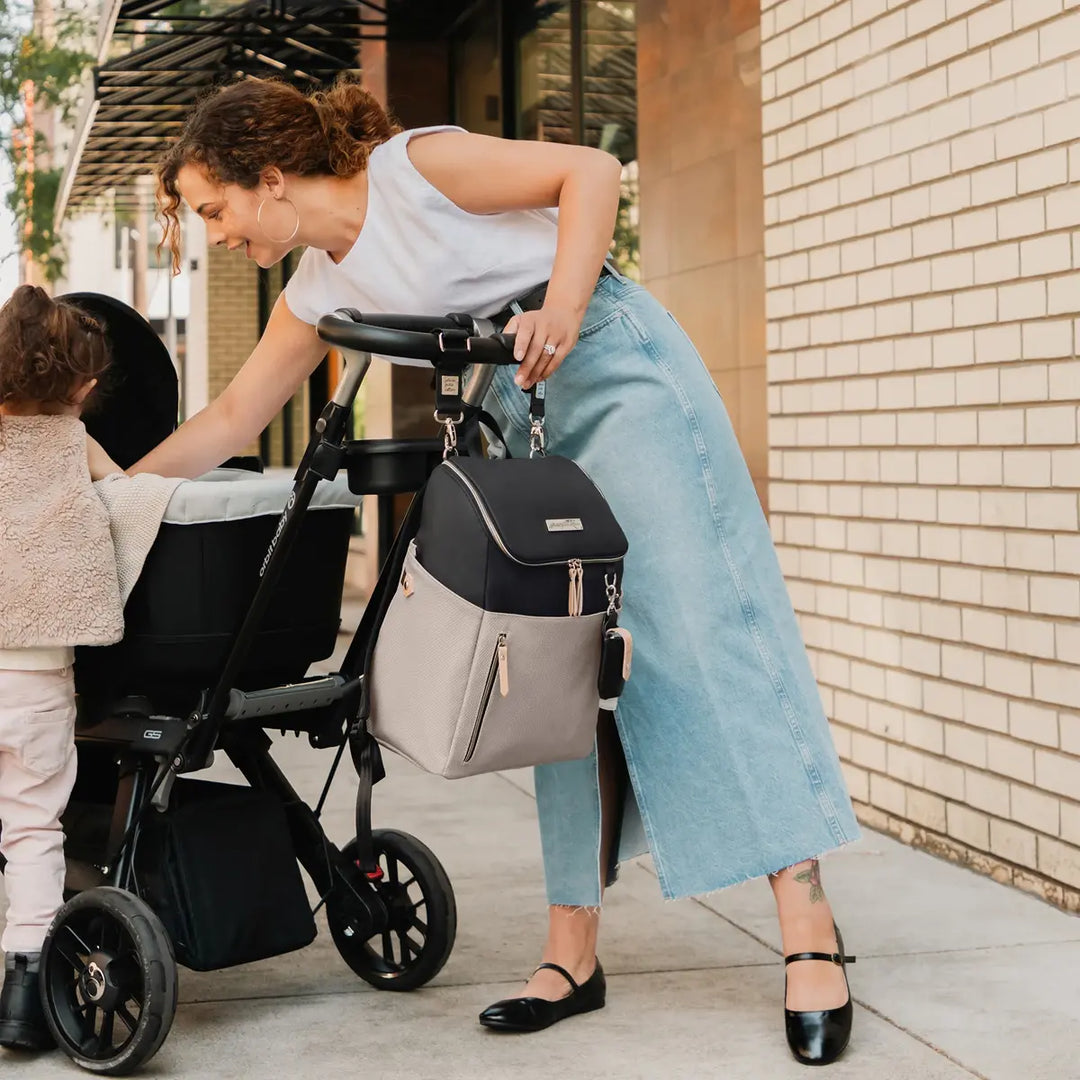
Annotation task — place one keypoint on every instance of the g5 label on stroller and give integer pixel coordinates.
(240, 595)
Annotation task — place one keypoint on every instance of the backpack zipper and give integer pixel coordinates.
(478, 499)
(500, 666)
(576, 591)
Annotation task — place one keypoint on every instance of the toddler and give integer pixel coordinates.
(58, 589)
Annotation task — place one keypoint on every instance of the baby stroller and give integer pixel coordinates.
(240, 594)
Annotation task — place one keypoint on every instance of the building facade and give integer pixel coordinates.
(866, 214)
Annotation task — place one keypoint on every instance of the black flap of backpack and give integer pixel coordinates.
(543, 509)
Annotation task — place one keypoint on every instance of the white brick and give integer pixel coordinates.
(1057, 683)
(985, 628)
(1023, 301)
(1013, 843)
(1052, 510)
(990, 24)
(1034, 808)
(975, 308)
(1035, 11)
(1047, 340)
(1051, 424)
(987, 711)
(1004, 508)
(1028, 551)
(1024, 135)
(997, 344)
(1057, 772)
(1027, 468)
(1000, 263)
(1001, 427)
(963, 743)
(1063, 208)
(1065, 468)
(911, 206)
(911, 278)
(949, 41)
(1043, 171)
(993, 103)
(935, 390)
(1005, 590)
(1046, 255)
(1039, 88)
(1022, 217)
(933, 313)
(1009, 675)
(1014, 54)
(985, 792)
(1060, 123)
(1063, 295)
(980, 468)
(930, 237)
(1033, 723)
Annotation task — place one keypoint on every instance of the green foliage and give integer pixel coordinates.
(625, 248)
(51, 60)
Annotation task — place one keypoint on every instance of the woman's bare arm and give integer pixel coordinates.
(288, 352)
(484, 175)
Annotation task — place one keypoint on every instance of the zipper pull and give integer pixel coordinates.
(503, 653)
(576, 600)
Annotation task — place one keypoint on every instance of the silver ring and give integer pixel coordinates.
(549, 349)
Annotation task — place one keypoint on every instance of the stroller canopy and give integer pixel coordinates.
(136, 406)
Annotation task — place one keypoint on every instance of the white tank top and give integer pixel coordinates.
(419, 253)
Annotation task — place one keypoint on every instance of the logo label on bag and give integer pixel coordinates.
(451, 384)
(564, 524)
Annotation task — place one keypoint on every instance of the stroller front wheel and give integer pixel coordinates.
(108, 981)
(423, 916)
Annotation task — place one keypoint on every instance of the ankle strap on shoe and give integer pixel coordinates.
(562, 971)
(830, 958)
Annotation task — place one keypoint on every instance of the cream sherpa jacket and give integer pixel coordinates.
(70, 551)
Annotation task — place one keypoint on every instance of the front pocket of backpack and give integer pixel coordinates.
(499, 655)
(532, 697)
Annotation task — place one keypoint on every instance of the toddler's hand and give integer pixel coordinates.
(101, 465)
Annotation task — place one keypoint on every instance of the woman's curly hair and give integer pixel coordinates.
(48, 348)
(237, 131)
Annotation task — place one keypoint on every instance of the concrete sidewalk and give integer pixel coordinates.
(957, 977)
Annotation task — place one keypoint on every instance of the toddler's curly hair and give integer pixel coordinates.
(48, 348)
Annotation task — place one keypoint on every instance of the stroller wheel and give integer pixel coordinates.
(423, 916)
(108, 981)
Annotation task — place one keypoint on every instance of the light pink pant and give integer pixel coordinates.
(37, 773)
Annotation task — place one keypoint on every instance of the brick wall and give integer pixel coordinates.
(923, 287)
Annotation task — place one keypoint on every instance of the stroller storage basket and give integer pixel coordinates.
(219, 869)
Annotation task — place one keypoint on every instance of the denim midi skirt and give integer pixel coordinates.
(732, 769)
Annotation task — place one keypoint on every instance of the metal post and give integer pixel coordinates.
(264, 318)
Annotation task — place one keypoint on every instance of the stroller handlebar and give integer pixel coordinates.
(418, 337)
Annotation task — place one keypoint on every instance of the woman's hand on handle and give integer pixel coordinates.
(487, 176)
(288, 352)
(551, 325)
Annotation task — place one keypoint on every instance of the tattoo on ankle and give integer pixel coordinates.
(812, 877)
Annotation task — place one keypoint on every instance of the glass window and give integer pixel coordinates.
(577, 83)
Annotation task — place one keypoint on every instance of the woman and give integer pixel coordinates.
(728, 765)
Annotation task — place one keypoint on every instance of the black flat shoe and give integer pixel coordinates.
(821, 1036)
(535, 1014)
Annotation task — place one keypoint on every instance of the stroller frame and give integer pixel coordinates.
(154, 750)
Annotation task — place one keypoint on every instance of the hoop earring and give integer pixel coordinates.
(272, 239)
